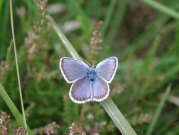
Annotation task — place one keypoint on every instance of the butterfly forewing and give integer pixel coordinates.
(80, 91)
(107, 68)
(100, 90)
(72, 69)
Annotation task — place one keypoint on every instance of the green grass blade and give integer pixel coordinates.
(1, 5)
(151, 54)
(173, 71)
(4, 22)
(17, 66)
(152, 51)
(9, 52)
(117, 21)
(108, 17)
(86, 24)
(158, 111)
(149, 33)
(64, 40)
(12, 107)
(175, 48)
(108, 104)
(162, 8)
(117, 117)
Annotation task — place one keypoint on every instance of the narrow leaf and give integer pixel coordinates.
(158, 111)
(162, 8)
(12, 107)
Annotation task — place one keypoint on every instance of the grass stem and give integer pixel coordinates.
(12, 107)
(17, 67)
(158, 111)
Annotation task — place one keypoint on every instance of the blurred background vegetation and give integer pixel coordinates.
(143, 36)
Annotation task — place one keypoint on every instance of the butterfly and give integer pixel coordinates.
(89, 83)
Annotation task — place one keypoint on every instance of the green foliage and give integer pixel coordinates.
(143, 35)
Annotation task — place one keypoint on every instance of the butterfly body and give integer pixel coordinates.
(91, 74)
(89, 83)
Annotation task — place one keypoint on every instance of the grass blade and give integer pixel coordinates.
(148, 34)
(164, 9)
(108, 17)
(117, 21)
(1, 5)
(175, 48)
(9, 52)
(112, 110)
(151, 54)
(64, 40)
(158, 111)
(117, 117)
(85, 24)
(17, 67)
(12, 107)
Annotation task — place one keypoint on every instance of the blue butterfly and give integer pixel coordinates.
(89, 83)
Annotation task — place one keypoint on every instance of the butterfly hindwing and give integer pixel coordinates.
(100, 89)
(80, 91)
(106, 69)
(72, 69)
